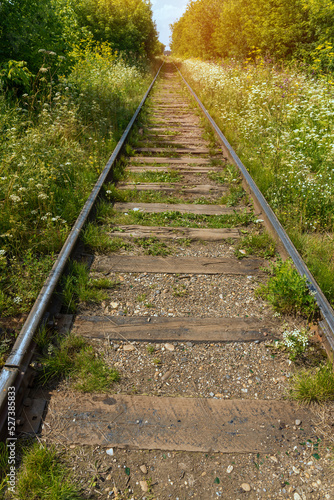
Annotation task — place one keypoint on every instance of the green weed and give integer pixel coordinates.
(43, 475)
(260, 244)
(287, 292)
(152, 246)
(151, 176)
(177, 219)
(150, 348)
(96, 238)
(313, 384)
(180, 291)
(76, 359)
(77, 286)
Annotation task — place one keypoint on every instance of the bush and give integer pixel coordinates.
(287, 292)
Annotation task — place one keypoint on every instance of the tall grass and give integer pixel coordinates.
(280, 121)
(49, 160)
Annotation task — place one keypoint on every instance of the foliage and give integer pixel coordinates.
(313, 385)
(49, 163)
(126, 25)
(77, 286)
(260, 244)
(44, 475)
(256, 29)
(76, 359)
(96, 238)
(279, 121)
(152, 246)
(296, 342)
(287, 292)
(177, 219)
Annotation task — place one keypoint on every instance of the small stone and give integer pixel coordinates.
(296, 496)
(110, 452)
(203, 474)
(169, 347)
(274, 459)
(166, 375)
(108, 477)
(243, 252)
(144, 486)
(128, 347)
(143, 468)
(189, 344)
(298, 422)
(229, 469)
(114, 305)
(245, 487)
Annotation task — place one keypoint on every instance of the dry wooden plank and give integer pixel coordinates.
(176, 424)
(173, 150)
(173, 161)
(175, 233)
(175, 329)
(204, 189)
(182, 208)
(172, 265)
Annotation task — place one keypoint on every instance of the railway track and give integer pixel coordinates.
(200, 409)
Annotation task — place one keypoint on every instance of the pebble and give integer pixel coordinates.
(229, 469)
(143, 468)
(114, 305)
(110, 452)
(128, 347)
(144, 486)
(296, 496)
(166, 375)
(245, 487)
(298, 422)
(169, 347)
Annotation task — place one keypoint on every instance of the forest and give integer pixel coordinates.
(277, 29)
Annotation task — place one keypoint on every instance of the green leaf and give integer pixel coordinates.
(316, 456)
(217, 480)
(127, 471)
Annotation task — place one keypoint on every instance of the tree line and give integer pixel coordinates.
(281, 29)
(29, 27)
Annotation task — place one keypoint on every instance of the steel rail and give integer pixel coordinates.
(323, 304)
(24, 340)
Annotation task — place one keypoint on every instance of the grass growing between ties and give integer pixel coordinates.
(152, 246)
(78, 287)
(177, 219)
(74, 358)
(44, 475)
(96, 238)
(260, 244)
(287, 292)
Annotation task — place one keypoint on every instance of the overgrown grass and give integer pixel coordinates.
(152, 246)
(77, 287)
(287, 292)
(313, 384)
(75, 358)
(279, 120)
(260, 244)
(21, 279)
(96, 238)
(43, 475)
(177, 219)
(50, 161)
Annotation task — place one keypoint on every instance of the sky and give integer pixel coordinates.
(165, 13)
